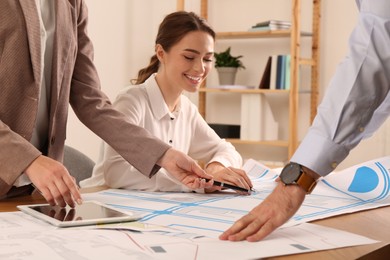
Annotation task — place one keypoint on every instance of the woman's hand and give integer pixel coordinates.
(185, 169)
(229, 175)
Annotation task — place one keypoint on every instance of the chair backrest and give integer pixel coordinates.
(78, 164)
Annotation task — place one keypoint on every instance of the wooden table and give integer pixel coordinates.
(374, 224)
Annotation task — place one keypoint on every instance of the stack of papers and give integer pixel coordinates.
(270, 25)
(26, 238)
(187, 225)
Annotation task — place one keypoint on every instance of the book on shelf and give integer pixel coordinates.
(280, 68)
(288, 72)
(265, 79)
(267, 28)
(273, 22)
(274, 66)
(270, 25)
(276, 73)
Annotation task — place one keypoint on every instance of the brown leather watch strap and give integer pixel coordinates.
(307, 182)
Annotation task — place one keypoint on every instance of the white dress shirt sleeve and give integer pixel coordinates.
(357, 100)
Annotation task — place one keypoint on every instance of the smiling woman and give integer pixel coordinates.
(184, 50)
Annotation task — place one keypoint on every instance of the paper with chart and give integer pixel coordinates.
(357, 188)
(23, 237)
(26, 238)
(186, 225)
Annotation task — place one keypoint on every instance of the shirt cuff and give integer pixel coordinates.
(319, 154)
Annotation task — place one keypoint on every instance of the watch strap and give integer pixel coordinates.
(306, 182)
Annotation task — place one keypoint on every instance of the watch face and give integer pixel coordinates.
(290, 173)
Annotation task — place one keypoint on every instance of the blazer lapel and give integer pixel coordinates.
(30, 12)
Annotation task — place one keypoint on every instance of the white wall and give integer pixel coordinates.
(123, 32)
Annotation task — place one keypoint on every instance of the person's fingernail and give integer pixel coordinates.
(79, 201)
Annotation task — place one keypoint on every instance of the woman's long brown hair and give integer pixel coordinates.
(171, 30)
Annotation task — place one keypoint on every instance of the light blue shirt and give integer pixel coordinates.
(357, 100)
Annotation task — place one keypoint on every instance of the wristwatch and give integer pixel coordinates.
(293, 173)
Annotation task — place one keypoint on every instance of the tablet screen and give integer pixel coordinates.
(86, 211)
(90, 212)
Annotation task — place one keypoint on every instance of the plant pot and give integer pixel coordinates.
(227, 75)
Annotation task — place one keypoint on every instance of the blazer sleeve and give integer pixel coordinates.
(93, 108)
(16, 154)
(17, 104)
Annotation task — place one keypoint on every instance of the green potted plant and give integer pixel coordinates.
(227, 66)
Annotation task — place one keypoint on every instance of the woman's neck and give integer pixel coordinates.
(170, 94)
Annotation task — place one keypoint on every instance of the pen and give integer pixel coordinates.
(230, 186)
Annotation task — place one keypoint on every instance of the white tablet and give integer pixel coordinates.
(88, 213)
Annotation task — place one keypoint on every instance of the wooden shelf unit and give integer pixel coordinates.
(295, 35)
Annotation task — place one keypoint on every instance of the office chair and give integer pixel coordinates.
(78, 164)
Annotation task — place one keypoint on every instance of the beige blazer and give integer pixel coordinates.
(74, 81)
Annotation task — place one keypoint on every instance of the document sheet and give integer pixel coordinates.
(23, 237)
(187, 225)
(360, 187)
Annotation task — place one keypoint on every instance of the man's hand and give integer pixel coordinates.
(184, 169)
(273, 212)
(54, 182)
(229, 175)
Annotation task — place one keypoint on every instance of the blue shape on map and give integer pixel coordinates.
(365, 180)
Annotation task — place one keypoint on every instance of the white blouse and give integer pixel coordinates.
(184, 129)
